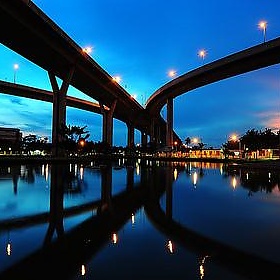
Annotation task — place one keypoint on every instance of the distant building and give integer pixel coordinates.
(10, 139)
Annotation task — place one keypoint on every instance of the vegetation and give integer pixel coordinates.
(32, 143)
(255, 140)
(252, 140)
(75, 142)
(73, 138)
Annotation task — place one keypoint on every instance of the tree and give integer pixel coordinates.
(72, 136)
(188, 141)
(32, 142)
(226, 149)
(263, 139)
(74, 133)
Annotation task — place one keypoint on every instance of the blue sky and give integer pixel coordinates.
(141, 41)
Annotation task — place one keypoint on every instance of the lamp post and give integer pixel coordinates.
(116, 79)
(195, 140)
(198, 141)
(87, 50)
(235, 138)
(172, 73)
(202, 54)
(16, 66)
(263, 27)
(175, 144)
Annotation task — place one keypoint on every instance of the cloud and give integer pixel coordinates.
(17, 101)
(270, 119)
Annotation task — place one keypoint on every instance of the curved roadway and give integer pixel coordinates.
(250, 59)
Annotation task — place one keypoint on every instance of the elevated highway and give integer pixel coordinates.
(49, 47)
(247, 60)
(61, 57)
(260, 56)
(47, 96)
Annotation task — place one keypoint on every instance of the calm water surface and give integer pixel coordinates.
(138, 220)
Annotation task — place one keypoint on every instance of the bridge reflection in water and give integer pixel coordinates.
(138, 220)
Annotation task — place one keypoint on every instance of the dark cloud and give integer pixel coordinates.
(17, 101)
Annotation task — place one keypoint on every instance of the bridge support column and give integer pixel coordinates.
(144, 139)
(158, 134)
(155, 133)
(59, 110)
(152, 129)
(169, 122)
(104, 123)
(130, 135)
(107, 127)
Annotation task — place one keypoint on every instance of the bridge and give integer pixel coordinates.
(48, 96)
(260, 56)
(55, 52)
(61, 57)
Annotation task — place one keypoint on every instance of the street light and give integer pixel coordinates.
(172, 73)
(175, 144)
(117, 79)
(87, 50)
(16, 66)
(235, 138)
(202, 54)
(263, 27)
(195, 140)
(82, 142)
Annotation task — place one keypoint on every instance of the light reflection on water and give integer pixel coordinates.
(238, 207)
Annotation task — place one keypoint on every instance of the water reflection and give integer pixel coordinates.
(202, 266)
(61, 181)
(112, 213)
(254, 180)
(231, 257)
(114, 194)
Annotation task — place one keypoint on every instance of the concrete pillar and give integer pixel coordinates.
(158, 134)
(144, 139)
(107, 131)
(152, 129)
(59, 109)
(104, 123)
(130, 135)
(169, 122)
